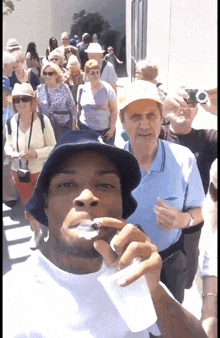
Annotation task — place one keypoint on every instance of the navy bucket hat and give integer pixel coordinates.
(79, 141)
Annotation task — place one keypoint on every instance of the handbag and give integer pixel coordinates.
(61, 121)
(24, 175)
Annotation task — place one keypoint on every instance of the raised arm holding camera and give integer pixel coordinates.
(181, 110)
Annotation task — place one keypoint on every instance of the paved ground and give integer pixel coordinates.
(17, 233)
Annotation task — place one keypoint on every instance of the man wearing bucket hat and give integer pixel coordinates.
(107, 72)
(170, 194)
(56, 292)
(12, 45)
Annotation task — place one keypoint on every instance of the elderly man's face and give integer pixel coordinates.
(184, 116)
(65, 39)
(142, 122)
(9, 68)
(87, 187)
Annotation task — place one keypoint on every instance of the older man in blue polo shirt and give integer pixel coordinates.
(170, 195)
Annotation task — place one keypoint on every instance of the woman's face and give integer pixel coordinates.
(50, 75)
(74, 66)
(19, 64)
(22, 104)
(93, 75)
(55, 59)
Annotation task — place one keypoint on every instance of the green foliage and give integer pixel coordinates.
(84, 22)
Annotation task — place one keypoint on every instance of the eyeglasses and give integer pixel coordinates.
(48, 73)
(94, 72)
(22, 99)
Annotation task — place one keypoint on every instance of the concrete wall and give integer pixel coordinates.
(38, 20)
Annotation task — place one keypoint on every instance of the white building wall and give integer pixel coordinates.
(182, 38)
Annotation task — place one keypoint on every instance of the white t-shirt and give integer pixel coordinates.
(42, 301)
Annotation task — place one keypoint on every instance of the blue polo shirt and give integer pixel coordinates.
(174, 177)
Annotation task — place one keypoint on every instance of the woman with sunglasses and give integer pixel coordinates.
(21, 74)
(28, 144)
(97, 103)
(56, 100)
(74, 75)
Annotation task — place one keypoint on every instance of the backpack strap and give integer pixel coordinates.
(41, 117)
(8, 123)
(104, 63)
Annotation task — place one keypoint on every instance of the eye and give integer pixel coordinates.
(66, 185)
(135, 117)
(151, 116)
(105, 186)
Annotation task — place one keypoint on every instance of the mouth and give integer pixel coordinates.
(87, 229)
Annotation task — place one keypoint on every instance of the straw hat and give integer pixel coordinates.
(23, 89)
(12, 43)
(95, 48)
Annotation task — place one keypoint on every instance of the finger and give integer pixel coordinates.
(161, 203)
(110, 222)
(135, 250)
(149, 265)
(109, 256)
(163, 211)
(128, 234)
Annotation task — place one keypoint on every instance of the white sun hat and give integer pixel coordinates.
(95, 48)
(12, 43)
(23, 89)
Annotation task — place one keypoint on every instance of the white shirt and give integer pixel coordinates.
(41, 141)
(42, 301)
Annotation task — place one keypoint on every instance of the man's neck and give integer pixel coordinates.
(145, 157)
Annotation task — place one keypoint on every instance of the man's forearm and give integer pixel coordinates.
(173, 320)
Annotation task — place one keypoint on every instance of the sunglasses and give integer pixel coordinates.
(94, 72)
(22, 99)
(48, 73)
(54, 59)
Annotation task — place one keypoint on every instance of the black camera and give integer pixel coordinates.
(197, 95)
(24, 175)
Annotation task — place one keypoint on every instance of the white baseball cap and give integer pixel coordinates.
(95, 48)
(139, 90)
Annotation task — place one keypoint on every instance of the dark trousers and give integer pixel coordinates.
(173, 273)
(180, 262)
(111, 141)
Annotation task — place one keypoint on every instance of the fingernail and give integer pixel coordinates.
(121, 281)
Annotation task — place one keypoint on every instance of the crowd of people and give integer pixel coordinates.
(146, 200)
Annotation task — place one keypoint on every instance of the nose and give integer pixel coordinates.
(144, 122)
(86, 200)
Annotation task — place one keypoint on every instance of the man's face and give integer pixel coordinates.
(87, 187)
(142, 122)
(95, 56)
(184, 117)
(65, 39)
(9, 68)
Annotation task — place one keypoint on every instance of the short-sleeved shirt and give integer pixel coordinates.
(173, 177)
(95, 111)
(33, 80)
(109, 75)
(203, 144)
(61, 100)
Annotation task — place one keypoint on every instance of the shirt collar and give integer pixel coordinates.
(159, 161)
